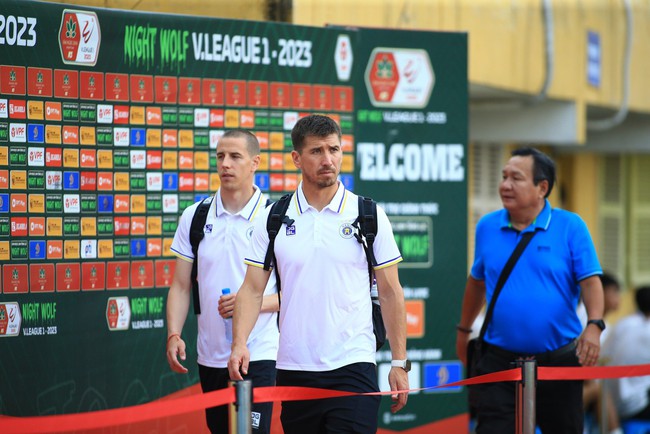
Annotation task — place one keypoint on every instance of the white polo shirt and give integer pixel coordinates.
(325, 314)
(221, 253)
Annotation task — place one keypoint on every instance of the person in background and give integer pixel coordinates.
(227, 232)
(326, 334)
(594, 395)
(535, 314)
(629, 344)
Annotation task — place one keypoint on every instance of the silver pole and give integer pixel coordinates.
(243, 406)
(529, 381)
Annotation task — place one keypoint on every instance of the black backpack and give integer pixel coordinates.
(366, 225)
(196, 236)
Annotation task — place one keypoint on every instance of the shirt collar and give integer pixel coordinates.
(248, 211)
(337, 204)
(542, 221)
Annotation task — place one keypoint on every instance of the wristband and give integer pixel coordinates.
(172, 335)
(460, 328)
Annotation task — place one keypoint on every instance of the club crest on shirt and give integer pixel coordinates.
(208, 229)
(291, 230)
(249, 233)
(346, 231)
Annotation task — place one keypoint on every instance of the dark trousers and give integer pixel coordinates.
(558, 403)
(261, 373)
(350, 414)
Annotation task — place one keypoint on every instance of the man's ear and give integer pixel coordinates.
(543, 187)
(295, 156)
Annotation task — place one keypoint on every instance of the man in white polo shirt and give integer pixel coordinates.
(227, 233)
(326, 334)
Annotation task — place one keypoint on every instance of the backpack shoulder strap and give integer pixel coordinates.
(196, 236)
(366, 225)
(277, 216)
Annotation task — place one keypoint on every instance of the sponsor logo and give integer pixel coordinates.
(201, 117)
(71, 158)
(71, 204)
(54, 226)
(36, 226)
(104, 159)
(88, 158)
(53, 111)
(202, 182)
(201, 160)
(19, 226)
(105, 181)
(170, 138)
(37, 249)
(4, 179)
(138, 136)
(154, 181)
(18, 203)
(18, 180)
(54, 249)
(186, 138)
(71, 249)
(154, 160)
(35, 110)
(154, 138)
(87, 135)
(121, 114)
(88, 181)
(88, 226)
(53, 180)
(4, 108)
(17, 133)
(138, 225)
(35, 133)
(121, 181)
(88, 250)
(215, 136)
(105, 203)
(79, 37)
(121, 136)
(138, 204)
(154, 225)
(105, 249)
(170, 181)
(122, 202)
(17, 109)
(122, 225)
(186, 160)
(186, 182)
(104, 114)
(70, 134)
(154, 116)
(170, 203)
(138, 159)
(53, 134)
(36, 157)
(137, 116)
(36, 203)
(170, 160)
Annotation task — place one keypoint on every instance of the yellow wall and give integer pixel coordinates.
(506, 40)
(240, 9)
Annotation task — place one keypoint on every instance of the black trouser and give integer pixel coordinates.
(350, 414)
(261, 373)
(558, 403)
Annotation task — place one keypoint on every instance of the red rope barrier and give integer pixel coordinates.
(187, 404)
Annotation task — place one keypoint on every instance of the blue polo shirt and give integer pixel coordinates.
(536, 310)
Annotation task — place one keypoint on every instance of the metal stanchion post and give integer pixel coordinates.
(529, 382)
(243, 407)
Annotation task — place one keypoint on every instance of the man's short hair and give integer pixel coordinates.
(252, 144)
(543, 166)
(313, 125)
(642, 297)
(609, 281)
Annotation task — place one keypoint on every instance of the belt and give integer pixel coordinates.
(541, 358)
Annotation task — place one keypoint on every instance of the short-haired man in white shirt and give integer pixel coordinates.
(227, 233)
(326, 334)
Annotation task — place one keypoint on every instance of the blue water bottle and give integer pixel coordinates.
(227, 322)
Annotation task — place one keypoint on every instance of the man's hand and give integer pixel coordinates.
(461, 346)
(176, 350)
(398, 380)
(227, 305)
(588, 348)
(238, 362)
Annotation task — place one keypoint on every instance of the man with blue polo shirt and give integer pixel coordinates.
(326, 335)
(535, 313)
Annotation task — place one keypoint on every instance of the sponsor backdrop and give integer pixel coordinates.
(108, 127)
